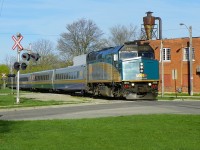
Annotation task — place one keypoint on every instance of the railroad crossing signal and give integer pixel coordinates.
(23, 66)
(17, 42)
(11, 75)
(18, 65)
(26, 56)
(33, 56)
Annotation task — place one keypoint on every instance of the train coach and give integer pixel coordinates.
(129, 71)
(70, 79)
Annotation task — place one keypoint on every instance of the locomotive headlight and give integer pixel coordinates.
(132, 84)
(126, 82)
(141, 67)
(149, 84)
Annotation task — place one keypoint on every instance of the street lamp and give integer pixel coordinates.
(190, 58)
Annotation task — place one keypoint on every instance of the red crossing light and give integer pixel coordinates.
(35, 56)
(23, 66)
(26, 56)
(16, 65)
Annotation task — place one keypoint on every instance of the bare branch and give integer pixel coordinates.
(81, 36)
(121, 34)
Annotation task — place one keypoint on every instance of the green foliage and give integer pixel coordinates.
(3, 69)
(37, 66)
(152, 132)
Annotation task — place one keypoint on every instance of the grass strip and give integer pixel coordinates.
(141, 132)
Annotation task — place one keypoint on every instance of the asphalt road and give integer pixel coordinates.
(115, 108)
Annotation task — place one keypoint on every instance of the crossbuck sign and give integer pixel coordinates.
(17, 42)
(3, 75)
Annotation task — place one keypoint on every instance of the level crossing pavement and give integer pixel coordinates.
(115, 108)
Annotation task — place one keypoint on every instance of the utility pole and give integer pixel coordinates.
(162, 69)
(11, 71)
(190, 59)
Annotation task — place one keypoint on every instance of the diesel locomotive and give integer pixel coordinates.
(129, 71)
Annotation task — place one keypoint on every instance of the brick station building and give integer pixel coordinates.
(176, 63)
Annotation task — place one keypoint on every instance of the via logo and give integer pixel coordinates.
(141, 75)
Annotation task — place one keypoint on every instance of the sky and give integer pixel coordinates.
(47, 19)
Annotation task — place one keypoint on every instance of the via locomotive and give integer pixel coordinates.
(129, 71)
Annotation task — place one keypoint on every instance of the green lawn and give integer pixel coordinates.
(141, 132)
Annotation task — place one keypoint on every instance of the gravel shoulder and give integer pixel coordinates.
(62, 97)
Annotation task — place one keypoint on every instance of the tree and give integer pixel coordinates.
(10, 59)
(48, 59)
(81, 37)
(43, 47)
(121, 34)
(3, 70)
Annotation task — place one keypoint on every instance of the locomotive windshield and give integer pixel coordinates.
(128, 54)
(146, 54)
(133, 50)
(145, 51)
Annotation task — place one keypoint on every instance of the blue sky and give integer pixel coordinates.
(47, 19)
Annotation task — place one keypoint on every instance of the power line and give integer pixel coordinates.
(38, 34)
(31, 34)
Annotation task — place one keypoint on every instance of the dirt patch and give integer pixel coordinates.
(62, 97)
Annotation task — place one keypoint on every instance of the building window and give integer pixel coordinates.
(186, 54)
(166, 54)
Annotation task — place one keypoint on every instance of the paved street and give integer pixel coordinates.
(116, 108)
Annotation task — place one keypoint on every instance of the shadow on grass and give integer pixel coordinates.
(4, 126)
